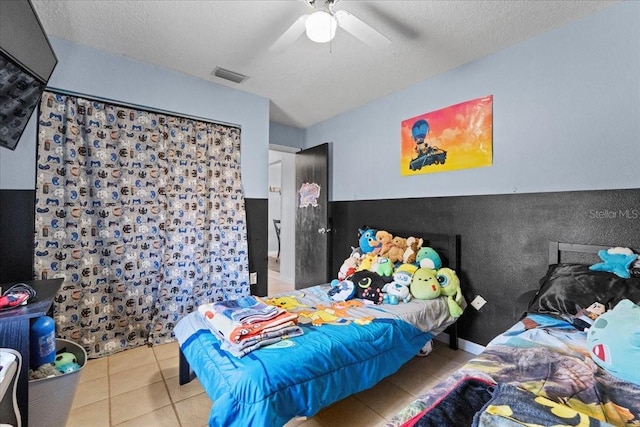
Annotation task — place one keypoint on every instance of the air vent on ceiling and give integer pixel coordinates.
(229, 75)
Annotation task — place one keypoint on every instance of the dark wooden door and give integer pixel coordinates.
(313, 229)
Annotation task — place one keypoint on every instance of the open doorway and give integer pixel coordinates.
(281, 211)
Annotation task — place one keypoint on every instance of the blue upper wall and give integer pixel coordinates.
(566, 116)
(97, 73)
(286, 136)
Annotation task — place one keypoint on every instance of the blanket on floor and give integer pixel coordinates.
(477, 402)
(456, 408)
(510, 407)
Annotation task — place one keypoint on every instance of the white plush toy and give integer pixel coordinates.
(350, 265)
(398, 290)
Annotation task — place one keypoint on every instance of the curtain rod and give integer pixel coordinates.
(138, 106)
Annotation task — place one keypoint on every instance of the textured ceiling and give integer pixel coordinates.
(308, 82)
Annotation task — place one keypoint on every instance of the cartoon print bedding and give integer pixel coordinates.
(344, 348)
(547, 359)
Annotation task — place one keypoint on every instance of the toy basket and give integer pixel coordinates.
(50, 399)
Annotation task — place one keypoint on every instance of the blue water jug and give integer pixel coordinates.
(42, 340)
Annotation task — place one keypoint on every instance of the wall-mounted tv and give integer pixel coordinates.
(26, 63)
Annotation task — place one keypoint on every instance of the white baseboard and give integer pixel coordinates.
(468, 346)
(285, 279)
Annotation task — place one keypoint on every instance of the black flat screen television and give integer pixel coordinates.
(26, 64)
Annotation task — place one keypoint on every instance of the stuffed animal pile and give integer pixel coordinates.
(391, 269)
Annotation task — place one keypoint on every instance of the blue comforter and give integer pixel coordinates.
(300, 376)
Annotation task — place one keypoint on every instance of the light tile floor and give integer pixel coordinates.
(140, 388)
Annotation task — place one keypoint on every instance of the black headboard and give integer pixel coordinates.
(446, 245)
(559, 252)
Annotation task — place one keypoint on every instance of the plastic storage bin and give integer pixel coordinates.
(50, 399)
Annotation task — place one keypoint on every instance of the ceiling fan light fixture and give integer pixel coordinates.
(321, 26)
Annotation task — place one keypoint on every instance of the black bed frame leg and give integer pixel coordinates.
(453, 336)
(185, 374)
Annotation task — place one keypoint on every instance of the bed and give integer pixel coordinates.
(545, 369)
(344, 349)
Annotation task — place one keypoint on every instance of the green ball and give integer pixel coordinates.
(65, 358)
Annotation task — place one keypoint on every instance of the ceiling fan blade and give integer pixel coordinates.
(360, 30)
(290, 36)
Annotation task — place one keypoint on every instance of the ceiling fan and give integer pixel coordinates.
(321, 24)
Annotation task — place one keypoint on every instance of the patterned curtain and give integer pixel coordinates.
(143, 216)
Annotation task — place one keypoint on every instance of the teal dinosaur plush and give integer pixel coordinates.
(616, 261)
(428, 258)
(450, 284)
(613, 341)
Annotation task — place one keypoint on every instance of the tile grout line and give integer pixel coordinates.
(166, 387)
(146, 413)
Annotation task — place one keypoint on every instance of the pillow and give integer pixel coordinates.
(614, 341)
(567, 288)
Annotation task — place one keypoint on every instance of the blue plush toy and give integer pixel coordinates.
(341, 290)
(367, 237)
(616, 261)
(614, 341)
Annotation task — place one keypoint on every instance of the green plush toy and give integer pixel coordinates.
(428, 258)
(424, 284)
(450, 286)
(383, 267)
